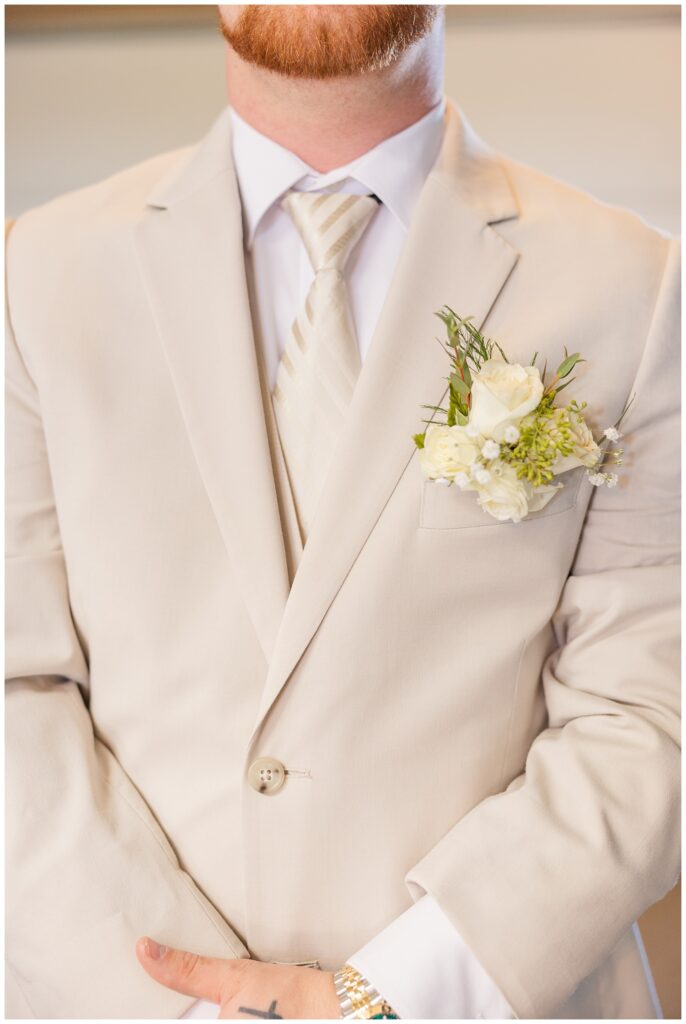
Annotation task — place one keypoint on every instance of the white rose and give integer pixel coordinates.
(447, 451)
(505, 495)
(586, 451)
(502, 393)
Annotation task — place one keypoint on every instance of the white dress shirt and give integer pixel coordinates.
(419, 963)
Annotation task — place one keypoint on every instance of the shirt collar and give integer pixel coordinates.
(394, 170)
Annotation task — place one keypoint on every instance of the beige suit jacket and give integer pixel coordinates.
(484, 711)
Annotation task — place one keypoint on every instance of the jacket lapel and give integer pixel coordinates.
(452, 255)
(190, 248)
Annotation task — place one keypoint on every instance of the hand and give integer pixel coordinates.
(244, 989)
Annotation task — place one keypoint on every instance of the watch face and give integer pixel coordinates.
(385, 1013)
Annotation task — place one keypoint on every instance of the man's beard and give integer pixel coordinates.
(327, 41)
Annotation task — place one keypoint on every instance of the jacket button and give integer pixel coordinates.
(266, 775)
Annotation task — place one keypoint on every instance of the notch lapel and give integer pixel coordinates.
(452, 255)
(190, 248)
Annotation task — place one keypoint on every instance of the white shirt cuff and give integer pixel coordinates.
(422, 967)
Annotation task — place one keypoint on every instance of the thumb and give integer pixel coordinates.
(204, 977)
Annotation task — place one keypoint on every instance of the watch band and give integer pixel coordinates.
(358, 998)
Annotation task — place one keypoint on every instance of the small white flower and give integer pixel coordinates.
(612, 434)
(442, 480)
(597, 479)
(471, 431)
(511, 435)
(482, 476)
(611, 479)
(491, 450)
(462, 480)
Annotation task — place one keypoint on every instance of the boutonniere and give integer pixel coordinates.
(503, 433)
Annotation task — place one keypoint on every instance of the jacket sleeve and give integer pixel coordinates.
(89, 870)
(543, 880)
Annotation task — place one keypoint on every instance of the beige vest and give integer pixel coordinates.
(293, 541)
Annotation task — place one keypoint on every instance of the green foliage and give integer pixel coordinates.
(568, 364)
(468, 350)
(563, 370)
(625, 410)
(460, 385)
(544, 435)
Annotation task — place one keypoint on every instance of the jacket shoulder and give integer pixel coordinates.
(116, 199)
(575, 214)
(606, 255)
(58, 253)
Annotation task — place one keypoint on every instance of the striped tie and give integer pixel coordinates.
(321, 362)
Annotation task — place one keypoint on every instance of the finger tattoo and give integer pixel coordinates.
(269, 1014)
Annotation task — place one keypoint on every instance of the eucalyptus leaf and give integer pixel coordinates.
(561, 387)
(568, 364)
(459, 385)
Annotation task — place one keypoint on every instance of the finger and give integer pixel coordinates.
(204, 977)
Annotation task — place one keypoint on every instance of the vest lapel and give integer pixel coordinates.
(452, 255)
(292, 539)
(190, 248)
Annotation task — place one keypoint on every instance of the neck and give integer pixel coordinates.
(329, 122)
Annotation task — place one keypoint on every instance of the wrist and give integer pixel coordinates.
(321, 996)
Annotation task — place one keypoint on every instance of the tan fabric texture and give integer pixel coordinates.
(480, 710)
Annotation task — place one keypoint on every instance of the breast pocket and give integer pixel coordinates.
(449, 508)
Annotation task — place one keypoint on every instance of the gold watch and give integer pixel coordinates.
(358, 998)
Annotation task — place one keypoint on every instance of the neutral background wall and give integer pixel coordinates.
(587, 93)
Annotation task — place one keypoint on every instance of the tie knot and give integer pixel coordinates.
(330, 224)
